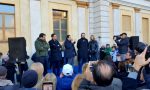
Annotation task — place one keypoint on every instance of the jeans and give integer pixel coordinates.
(55, 66)
(44, 61)
(81, 62)
(123, 57)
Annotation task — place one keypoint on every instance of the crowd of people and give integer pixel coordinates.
(105, 68)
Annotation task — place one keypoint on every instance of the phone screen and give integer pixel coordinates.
(47, 86)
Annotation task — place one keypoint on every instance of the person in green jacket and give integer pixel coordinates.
(42, 48)
(108, 49)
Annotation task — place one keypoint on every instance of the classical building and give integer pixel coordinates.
(102, 18)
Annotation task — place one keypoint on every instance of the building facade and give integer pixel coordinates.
(102, 18)
(113, 17)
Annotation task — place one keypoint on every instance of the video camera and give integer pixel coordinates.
(140, 48)
(117, 37)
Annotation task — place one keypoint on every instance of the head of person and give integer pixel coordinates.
(108, 58)
(82, 35)
(113, 48)
(38, 67)
(3, 72)
(68, 37)
(84, 68)
(54, 36)
(29, 79)
(103, 46)
(103, 73)
(42, 36)
(122, 67)
(92, 37)
(67, 70)
(1, 54)
(50, 77)
(128, 56)
(124, 35)
(121, 36)
(107, 45)
(76, 82)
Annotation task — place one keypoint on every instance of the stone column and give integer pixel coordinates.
(82, 17)
(35, 17)
(116, 19)
(138, 23)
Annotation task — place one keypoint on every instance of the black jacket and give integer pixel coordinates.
(55, 50)
(82, 46)
(93, 50)
(69, 49)
(87, 85)
(123, 45)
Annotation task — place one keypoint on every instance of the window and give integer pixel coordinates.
(126, 23)
(145, 29)
(60, 24)
(7, 22)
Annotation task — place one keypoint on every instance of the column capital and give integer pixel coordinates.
(115, 5)
(82, 3)
(137, 10)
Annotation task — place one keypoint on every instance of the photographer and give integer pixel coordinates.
(122, 42)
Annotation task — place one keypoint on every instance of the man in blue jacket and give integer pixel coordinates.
(66, 78)
(122, 45)
(70, 52)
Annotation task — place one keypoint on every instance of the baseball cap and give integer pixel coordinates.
(67, 70)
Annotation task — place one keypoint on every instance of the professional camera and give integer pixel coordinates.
(140, 48)
(117, 37)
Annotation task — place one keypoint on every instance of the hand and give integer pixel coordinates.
(61, 75)
(88, 74)
(140, 60)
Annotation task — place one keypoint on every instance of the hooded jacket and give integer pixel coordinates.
(5, 83)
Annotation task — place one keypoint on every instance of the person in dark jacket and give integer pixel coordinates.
(42, 47)
(3, 80)
(122, 45)
(29, 80)
(55, 55)
(102, 53)
(146, 74)
(66, 78)
(69, 53)
(82, 46)
(93, 49)
(100, 77)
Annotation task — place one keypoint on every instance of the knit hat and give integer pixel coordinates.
(29, 79)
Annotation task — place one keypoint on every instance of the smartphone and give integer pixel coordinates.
(91, 63)
(47, 86)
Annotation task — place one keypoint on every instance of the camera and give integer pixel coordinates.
(140, 48)
(117, 37)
